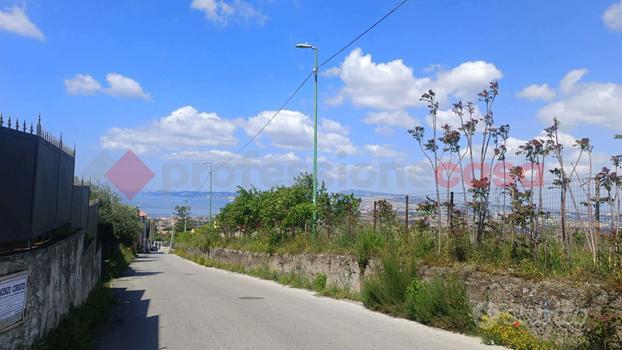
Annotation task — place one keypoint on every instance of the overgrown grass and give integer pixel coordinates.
(442, 303)
(504, 329)
(386, 291)
(118, 261)
(77, 329)
(495, 253)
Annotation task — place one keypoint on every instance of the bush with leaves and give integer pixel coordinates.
(386, 290)
(441, 302)
(121, 219)
(505, 329)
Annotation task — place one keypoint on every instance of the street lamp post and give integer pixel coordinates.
(210, 191)
(315, 72)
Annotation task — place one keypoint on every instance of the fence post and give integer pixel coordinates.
(597, 205)
(406, 215)
(375, 216)
(450, 211)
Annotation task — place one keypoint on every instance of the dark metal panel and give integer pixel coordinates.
(17, 159)
(46, 189)
(65, 187)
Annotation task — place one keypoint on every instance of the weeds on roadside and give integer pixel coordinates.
(441, 302)
(78, 328)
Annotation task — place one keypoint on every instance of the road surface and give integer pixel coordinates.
(166, 302)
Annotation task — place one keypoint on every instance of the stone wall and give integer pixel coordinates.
(60, 277)
(341, 271)
(551, 308)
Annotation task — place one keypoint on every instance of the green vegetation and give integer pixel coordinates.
(116, 263)
(284, 211)
(602, 329)
(278, 221)
(397, 289)
(440, 302)
(182, 217)
(504, 329)
(115, 217)
(386, 291)
(78, 328)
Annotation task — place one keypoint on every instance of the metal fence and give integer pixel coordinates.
(36, 181)
(586, 205)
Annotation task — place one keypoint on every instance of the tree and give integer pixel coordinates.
(181, 213)
(120, 219)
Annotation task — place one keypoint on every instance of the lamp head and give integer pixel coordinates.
(305, 46)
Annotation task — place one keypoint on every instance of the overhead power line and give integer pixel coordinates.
(291, 96)
(365, 32)
(295, 92)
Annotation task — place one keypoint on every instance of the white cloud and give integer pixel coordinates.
(393, 86)
(14, 20)
(613, 17)
(382, 151)
(124, 87)
(571, 79)
(399, 118)
(292, 129)
(118, 85)
(223, 12)
(537, 92)
(465, 80)
(390, 88)
(591, 103)
(221, 156)
(185, 128)
(82, 84)
(385, 86)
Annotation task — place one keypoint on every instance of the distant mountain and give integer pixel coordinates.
(365, 193)
(161, 203)
(189, 193)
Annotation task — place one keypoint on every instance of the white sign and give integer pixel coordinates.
(12, 298)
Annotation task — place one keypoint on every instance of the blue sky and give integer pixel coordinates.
(182, 82)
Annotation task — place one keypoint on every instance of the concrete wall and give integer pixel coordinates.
(551, 307)
(61, 276)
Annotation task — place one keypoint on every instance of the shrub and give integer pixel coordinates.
(440, 303)
(319, 282)
(366, 246)
(78, 329)
(386, 291)
(504, 329)
(603, 330)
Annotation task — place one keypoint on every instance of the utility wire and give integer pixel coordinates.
(363, 33)
(293, 94)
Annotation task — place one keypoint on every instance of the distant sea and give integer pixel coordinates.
(161, 203)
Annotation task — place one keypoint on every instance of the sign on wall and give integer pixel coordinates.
(13, 290)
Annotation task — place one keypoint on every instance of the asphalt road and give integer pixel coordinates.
(166, 302)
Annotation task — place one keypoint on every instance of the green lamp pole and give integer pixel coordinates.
(210, 191)
(315, 71)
